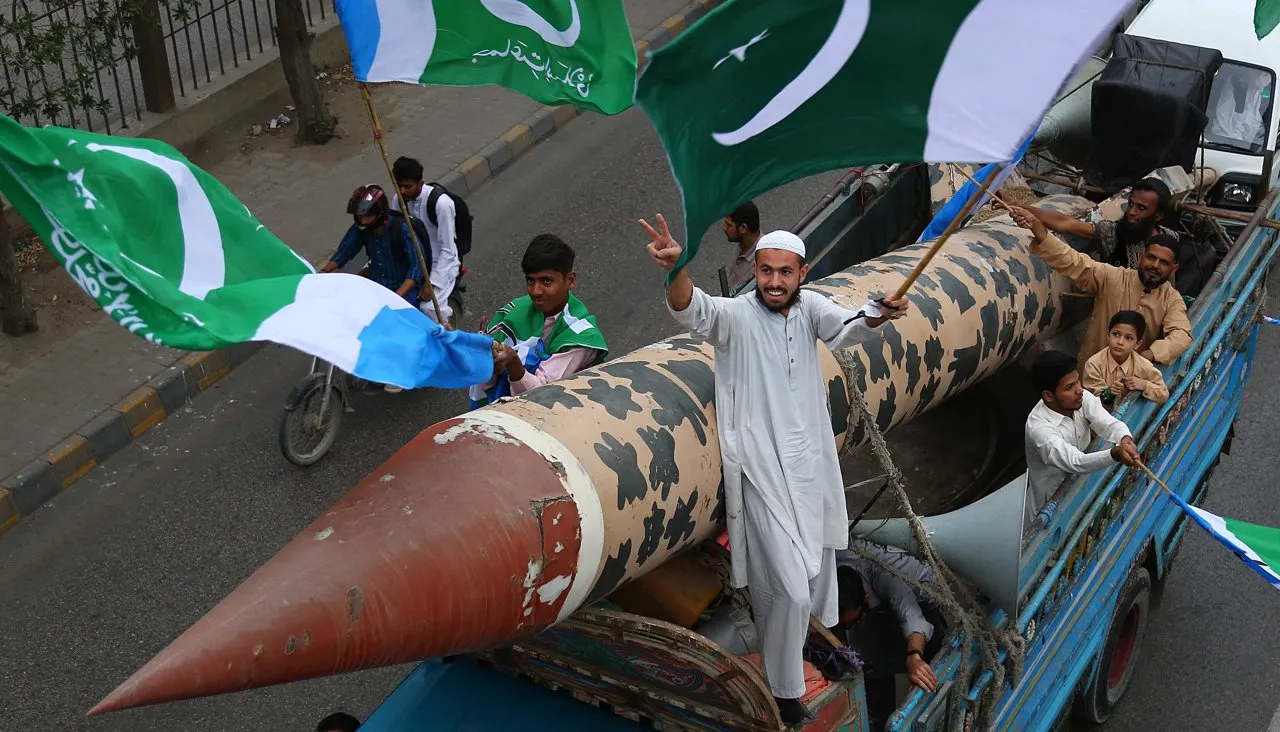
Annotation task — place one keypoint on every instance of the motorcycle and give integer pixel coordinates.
(314, 407)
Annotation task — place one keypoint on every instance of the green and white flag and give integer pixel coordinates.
(762, 92)
(172, 256)
(1266, 16)
(556, 51)
(1256, 546)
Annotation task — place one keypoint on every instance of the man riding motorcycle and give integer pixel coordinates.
(393, 260)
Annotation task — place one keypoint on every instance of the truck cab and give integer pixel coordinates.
(1240, 135)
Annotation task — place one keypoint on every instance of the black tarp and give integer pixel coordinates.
(1148, 109)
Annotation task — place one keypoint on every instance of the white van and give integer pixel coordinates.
(1243, 119)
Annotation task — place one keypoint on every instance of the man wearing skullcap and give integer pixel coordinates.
(783, 494)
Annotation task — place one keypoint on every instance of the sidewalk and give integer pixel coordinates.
(73, 394)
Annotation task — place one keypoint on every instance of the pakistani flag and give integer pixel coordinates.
(1257, 546)
(1266, 16)
(762, 92)
(172, 256)
(556, 51)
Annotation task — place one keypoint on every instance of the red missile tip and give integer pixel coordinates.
(437, 552)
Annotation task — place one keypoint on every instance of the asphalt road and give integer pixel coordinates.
(93, 585)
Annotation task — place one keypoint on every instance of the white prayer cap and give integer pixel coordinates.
(783, 240)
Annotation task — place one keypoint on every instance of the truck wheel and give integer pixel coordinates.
(1120, 655)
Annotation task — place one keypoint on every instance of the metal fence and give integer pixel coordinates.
(222, 34)
(113, 67)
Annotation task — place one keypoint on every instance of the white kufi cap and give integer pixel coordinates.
(783, 240)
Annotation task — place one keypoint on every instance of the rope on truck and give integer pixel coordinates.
(950, 594)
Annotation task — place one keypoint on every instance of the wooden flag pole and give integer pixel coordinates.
(413, 235)
(1147, 470)
(951, 227)
(994, 195)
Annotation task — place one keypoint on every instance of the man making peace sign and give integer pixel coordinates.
(782, 489)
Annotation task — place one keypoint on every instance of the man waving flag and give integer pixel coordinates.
(555, 51)
(759, 92)
(172, 256)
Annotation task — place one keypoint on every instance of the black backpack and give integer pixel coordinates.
(401, 250)
(461, 218)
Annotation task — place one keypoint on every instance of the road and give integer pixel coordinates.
(95, 584)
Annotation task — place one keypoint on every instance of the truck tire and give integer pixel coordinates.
(1119, 656)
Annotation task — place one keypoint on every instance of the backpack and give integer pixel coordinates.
(402, 248)
(461, 218)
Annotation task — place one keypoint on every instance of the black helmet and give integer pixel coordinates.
(368, 200)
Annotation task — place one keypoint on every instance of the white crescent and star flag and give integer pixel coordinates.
(575, 52)
(759, 93)
(171, 255)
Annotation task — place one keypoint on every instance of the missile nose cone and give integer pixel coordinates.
(466, 538)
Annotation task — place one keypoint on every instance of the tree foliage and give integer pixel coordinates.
(52, 52)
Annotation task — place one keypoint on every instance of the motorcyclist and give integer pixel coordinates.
(393, 261)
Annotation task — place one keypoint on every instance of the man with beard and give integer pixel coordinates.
(742, 227)
(783, 494)
(1120, 243)
(1146, 290)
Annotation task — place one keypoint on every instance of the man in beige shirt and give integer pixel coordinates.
(1146, 290)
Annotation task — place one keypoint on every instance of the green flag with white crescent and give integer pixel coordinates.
(555, 51)
(759, 93)
(171, 255)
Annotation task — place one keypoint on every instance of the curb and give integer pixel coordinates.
(112, 430)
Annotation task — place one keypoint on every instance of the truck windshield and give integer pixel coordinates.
(1239, 108)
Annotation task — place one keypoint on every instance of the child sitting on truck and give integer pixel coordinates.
(1118, 369)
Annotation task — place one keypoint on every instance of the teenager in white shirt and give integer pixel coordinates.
(445, 263)
(1061, 427)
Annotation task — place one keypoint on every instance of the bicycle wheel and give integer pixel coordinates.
(309, 425)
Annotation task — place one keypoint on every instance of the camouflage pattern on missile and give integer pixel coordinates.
(503, 521)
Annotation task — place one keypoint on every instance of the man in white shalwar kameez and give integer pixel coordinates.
(783, 493)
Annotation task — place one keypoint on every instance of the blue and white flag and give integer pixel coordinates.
(952, 209)
(173, 257)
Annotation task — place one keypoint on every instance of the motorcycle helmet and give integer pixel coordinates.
(368, 200)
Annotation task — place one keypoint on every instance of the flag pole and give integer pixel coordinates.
(996, 197)
(413, 235)
(1147, 470)
(951, 227)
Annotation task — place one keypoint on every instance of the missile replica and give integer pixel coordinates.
(496, 524)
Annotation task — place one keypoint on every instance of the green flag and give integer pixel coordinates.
(556, 51)
(1266, 15)
(171, 255)
(760, 92)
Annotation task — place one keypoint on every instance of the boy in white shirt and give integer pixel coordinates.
(445, 263)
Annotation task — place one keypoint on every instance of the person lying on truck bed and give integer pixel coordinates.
(1146, 290)
(545, 336)
(893, 630)
(1060, 428)
(782, 488)
(1118, 369)
(1122, 242)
